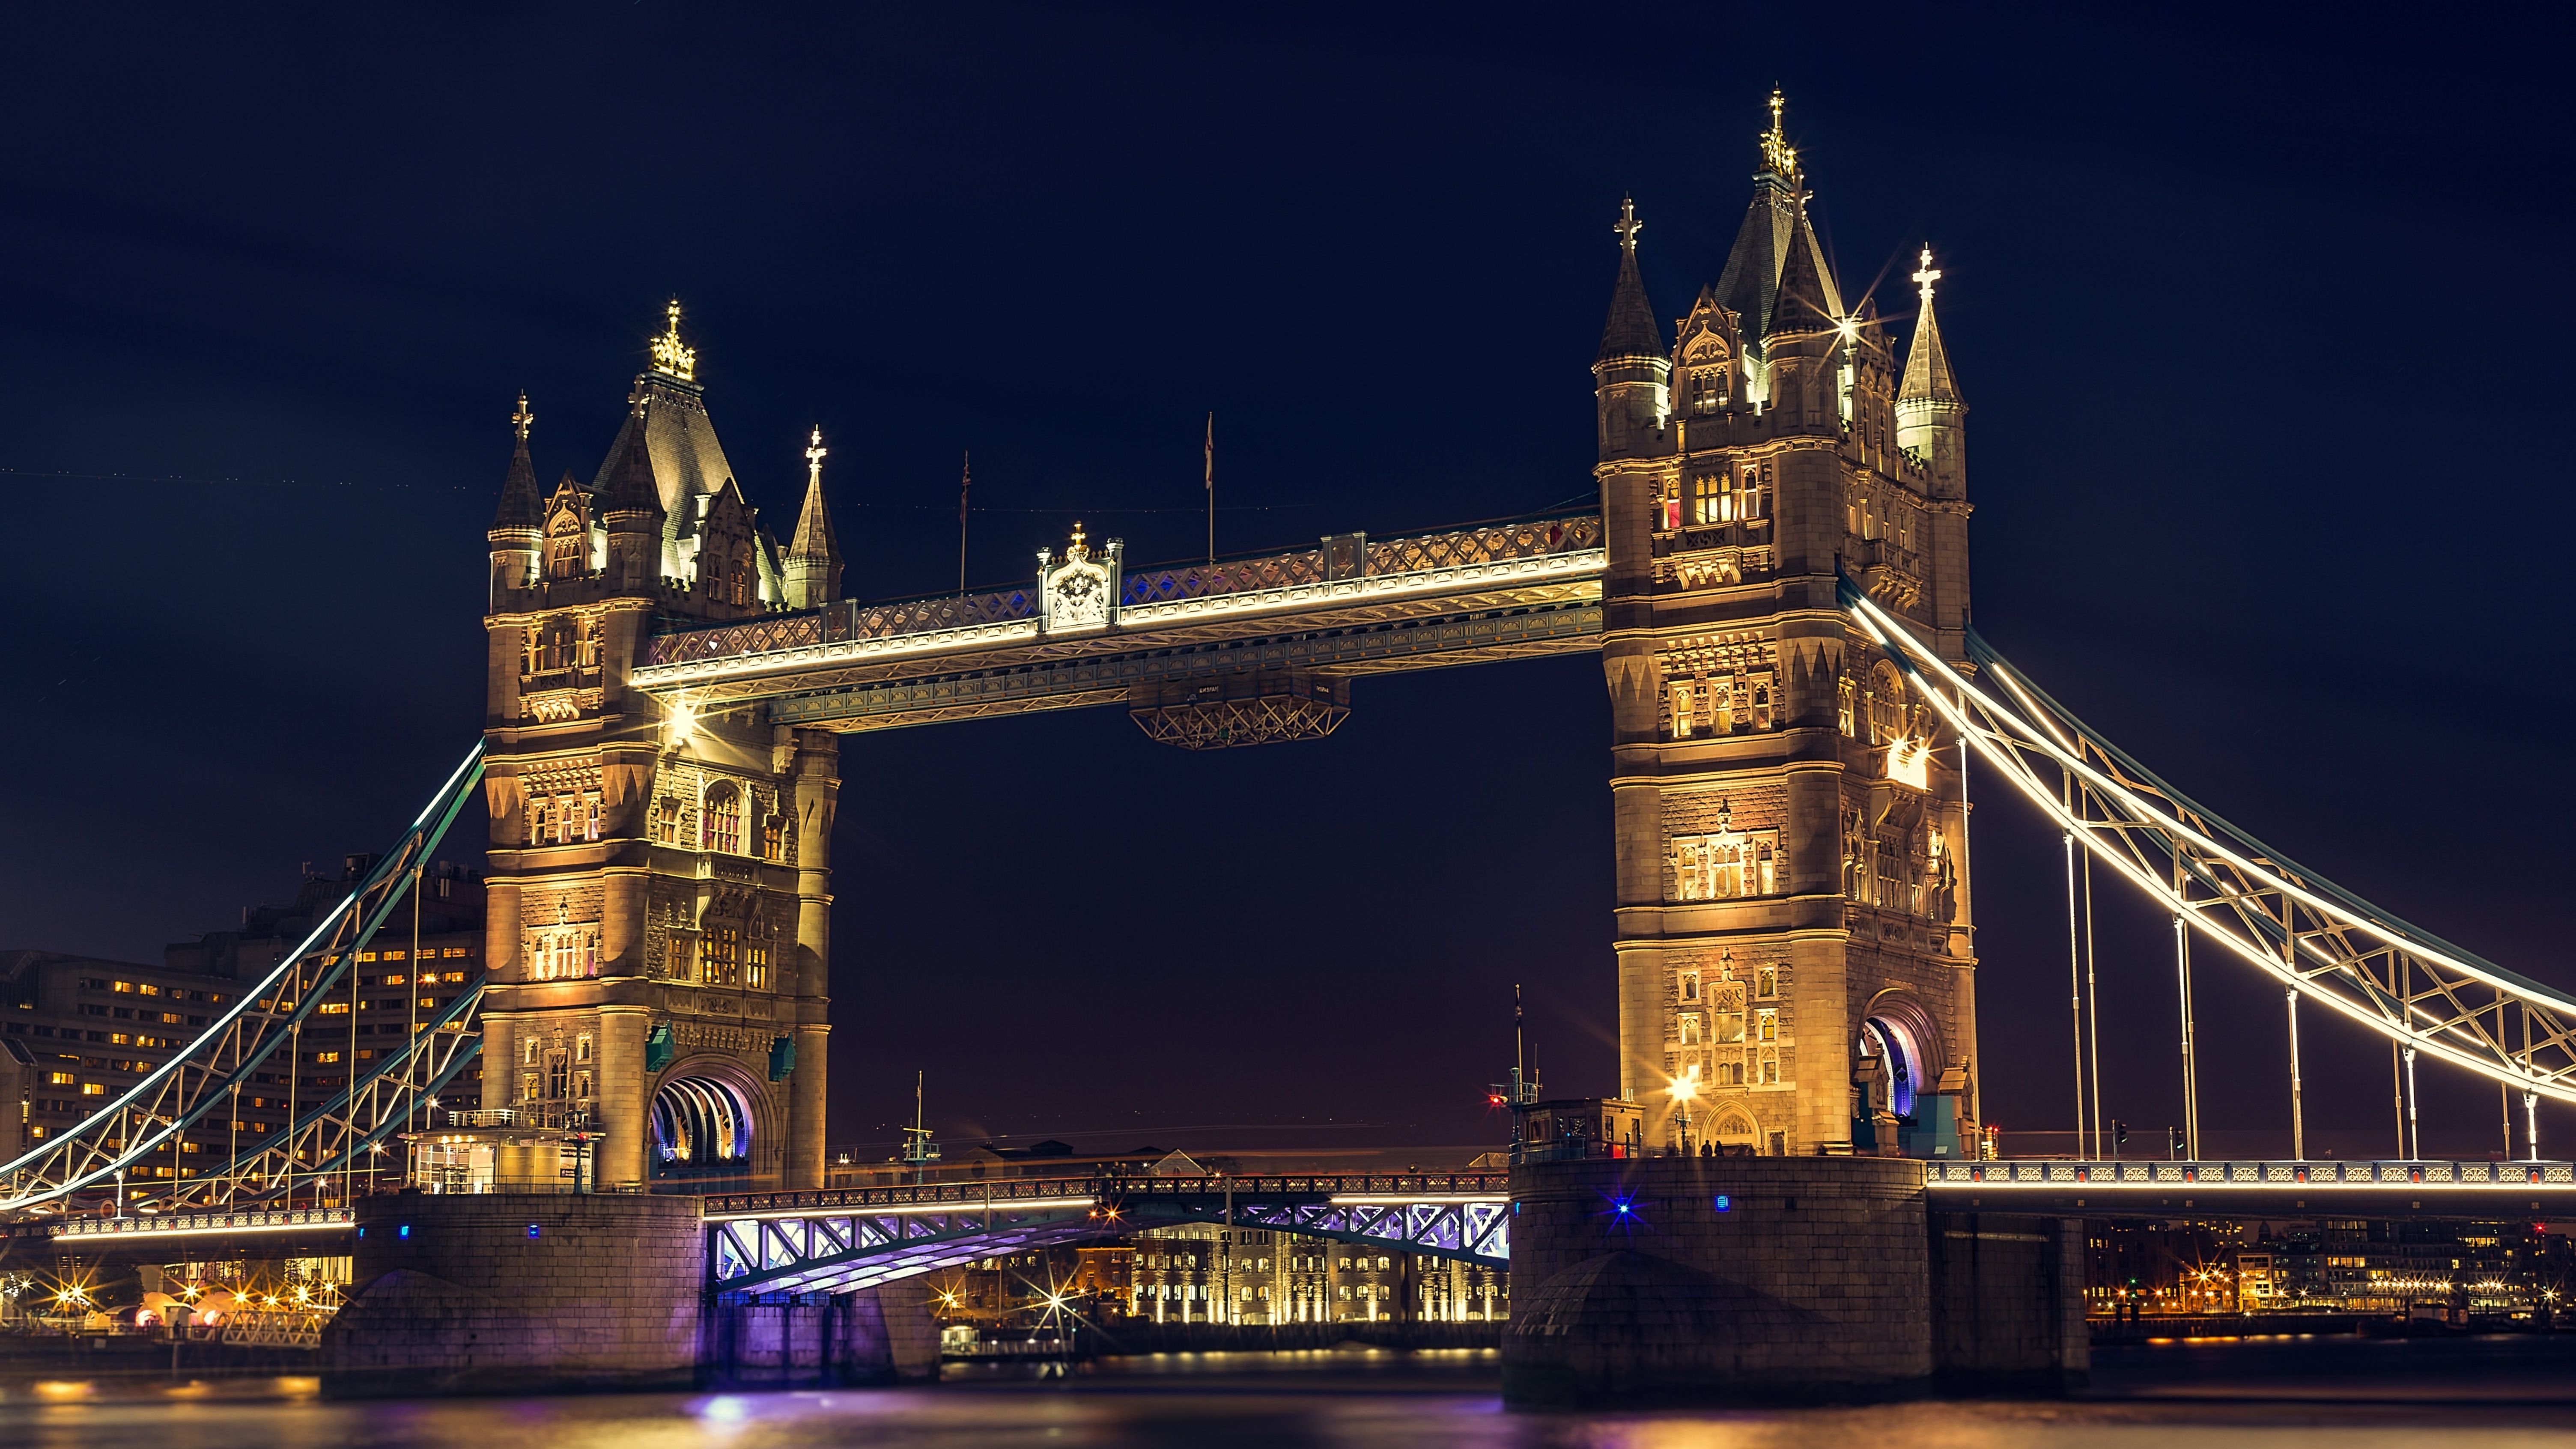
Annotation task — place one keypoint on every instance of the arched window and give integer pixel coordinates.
(1690, 1028)
(723, 816)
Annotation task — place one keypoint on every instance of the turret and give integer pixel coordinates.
(814, 554)
(1632, 373)
(1800, 348)
(1930, 417)
(519, 521)
(632, 511)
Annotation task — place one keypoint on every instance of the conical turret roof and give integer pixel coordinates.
(1632, 330)
(629, 472)
(1927, 362)
(521, 507)
(1805, 302)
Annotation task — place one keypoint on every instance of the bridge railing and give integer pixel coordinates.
(1408, 1186)
(2255, 1173)
(1347, 556)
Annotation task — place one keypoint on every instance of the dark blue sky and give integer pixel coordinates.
(2267, 445)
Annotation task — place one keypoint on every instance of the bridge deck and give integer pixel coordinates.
(2272, 1187)
(1352, 606)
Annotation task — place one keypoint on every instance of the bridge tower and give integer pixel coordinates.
(659, 906)
(1793, 930)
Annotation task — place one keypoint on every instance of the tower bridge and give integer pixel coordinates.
(1775, 579)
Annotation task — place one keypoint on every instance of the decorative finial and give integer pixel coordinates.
(1075, 549)
(1777, 154)
(520, 420)
(1627, 226)
(670, 356)
(814, 451)
(1926, 277)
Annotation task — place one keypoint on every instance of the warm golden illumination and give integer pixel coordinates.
(670, 356)
(1777, 154)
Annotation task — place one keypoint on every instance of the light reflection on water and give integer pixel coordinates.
(2350, 1394)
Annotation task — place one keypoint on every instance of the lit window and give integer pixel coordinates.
(1690, 986)
(756, 964)
(93, 1089)
(723, 820)
(1766, 982)
(60, 1079)
(1767, 1024)
(722, 955)
(1681, 709)
(1690, 1028)
(125, 986)
(581, 1048)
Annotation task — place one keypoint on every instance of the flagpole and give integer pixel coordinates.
(965, 480)
(1211, 488)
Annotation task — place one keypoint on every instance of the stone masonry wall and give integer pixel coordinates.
(513, 1293)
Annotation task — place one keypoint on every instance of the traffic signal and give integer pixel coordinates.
(2119, 1136)
(2173, 1142)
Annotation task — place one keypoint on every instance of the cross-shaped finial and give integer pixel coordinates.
(520, 420)
(1777, 101)
(673, 310)
(814, 451)
(1627, 226)
(1926, 277)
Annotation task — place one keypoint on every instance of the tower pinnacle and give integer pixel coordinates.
(814, 553)
(1778, 156)
(522, 419)
(671, 357)
(1927, 363)
(1632, 330)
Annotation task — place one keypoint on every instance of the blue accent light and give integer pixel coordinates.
(1725, 1203)
(403, 1232)
(1623, 1209)
(532, 1230)
(362, 1232)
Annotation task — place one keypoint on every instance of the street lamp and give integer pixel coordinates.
(1684, 1089)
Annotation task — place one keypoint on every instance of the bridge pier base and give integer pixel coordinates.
(881, 1335)
(1778, 1279)
(519, 1293)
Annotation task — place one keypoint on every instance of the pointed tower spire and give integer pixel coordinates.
(520, 505)
(1632, 330)
(1927, 364)
(1931, 420)
(519, 522)
(1632, 375)
(1805, 302)
(632, 508)
(814, 555)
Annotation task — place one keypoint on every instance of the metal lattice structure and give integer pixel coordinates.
(856, 1237)
(332, 1137)
(2317, 939)
(189, 1089)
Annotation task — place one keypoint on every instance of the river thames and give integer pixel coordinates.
(2269, 1392)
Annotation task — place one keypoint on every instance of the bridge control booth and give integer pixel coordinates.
(1574, 1128)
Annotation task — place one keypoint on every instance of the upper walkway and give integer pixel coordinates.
(1352, 605)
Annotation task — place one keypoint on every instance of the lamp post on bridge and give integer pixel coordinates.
(1684, 1089)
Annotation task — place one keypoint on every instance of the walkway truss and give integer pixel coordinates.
(2312, 936)
(255, 1042)
(839, 1241)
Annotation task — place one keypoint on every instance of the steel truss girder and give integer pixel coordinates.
(2310, 935)
(842, 1252)
(839, 1240)
(1470, 1232)
(180, 1093)
(1376, 648)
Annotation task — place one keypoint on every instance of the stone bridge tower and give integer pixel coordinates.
(659, 921)
(1793, 933)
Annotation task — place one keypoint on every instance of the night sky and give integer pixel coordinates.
(2267, 443)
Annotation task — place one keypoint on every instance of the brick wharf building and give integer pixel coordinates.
(77, 1031)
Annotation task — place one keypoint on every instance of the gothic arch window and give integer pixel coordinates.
(1690, 1028)
(722, 813)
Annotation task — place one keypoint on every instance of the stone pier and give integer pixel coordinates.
(1767, 1279)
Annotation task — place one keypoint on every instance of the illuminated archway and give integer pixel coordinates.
(701, 1125)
